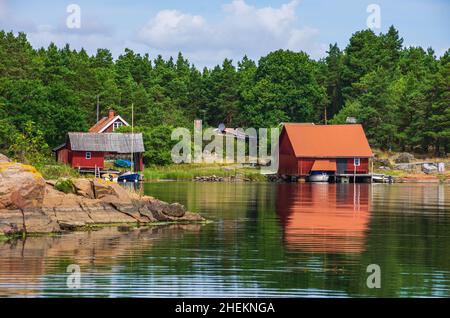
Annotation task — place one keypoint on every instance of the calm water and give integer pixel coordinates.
(266, 240)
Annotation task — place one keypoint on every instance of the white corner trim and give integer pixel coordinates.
(112, 121)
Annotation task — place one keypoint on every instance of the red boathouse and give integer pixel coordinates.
(339, 150)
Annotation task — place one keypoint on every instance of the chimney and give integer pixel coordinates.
(111, 114)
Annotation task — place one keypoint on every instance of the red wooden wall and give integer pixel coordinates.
(362, 168)
(290, 165)
(305, 165)
(62, 155)
(287, 160)
(141, 163)
(79, 159)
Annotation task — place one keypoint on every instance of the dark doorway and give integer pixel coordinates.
(341, 166)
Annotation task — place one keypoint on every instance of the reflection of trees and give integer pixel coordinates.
(409, 239)
(261, 239)
(24, 263)
(407, 235)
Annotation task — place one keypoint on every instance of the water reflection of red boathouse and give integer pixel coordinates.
(324, 218)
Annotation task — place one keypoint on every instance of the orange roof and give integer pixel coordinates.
(324, 165)
(328, 141)
(106, 122)
(99, 125)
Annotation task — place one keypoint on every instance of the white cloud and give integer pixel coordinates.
(268, 19)
(92, 34)
(244, 29)
(171, 28)
(240, 29)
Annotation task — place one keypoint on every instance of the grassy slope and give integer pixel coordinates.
(190, 171)
(416, 174)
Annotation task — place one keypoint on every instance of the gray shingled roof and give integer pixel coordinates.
(110, 142)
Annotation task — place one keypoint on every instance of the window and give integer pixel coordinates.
(356, 162)
(88, 155)
(117, 124)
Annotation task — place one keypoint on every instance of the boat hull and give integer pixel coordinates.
(323, 177)
(132, 177)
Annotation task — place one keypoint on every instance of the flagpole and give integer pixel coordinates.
(132, 137)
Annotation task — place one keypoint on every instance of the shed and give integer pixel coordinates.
(337, 149)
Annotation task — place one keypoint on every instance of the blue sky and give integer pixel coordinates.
(208, 31)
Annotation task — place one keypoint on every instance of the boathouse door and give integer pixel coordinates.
(341, 165)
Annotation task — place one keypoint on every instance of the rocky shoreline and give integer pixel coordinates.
(407, 178)
(30, 204)
(215, 178)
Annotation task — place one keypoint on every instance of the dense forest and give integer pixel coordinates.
(400, 94)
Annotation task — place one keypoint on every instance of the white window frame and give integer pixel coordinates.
(88, 155)
(356, 162)
(117, 124)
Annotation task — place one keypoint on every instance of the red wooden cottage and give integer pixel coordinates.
(336, 149)
(88, 151)
(108, 124)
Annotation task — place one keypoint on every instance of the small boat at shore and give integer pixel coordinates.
(129, 177)
(110, 177)
(381, 178)
(318, 176)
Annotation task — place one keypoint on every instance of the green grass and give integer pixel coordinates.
(190, 171)
(392, 172)
(57, 171)
(12, 236)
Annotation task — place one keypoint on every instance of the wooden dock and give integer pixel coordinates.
(364, 177)
(101, 171)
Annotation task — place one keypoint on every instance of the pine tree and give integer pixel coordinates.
(333, 79)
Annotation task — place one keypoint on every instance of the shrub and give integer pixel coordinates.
(65, 185)
(57, 171)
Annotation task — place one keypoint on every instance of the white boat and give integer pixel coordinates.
(318, 177)
(381, 178)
